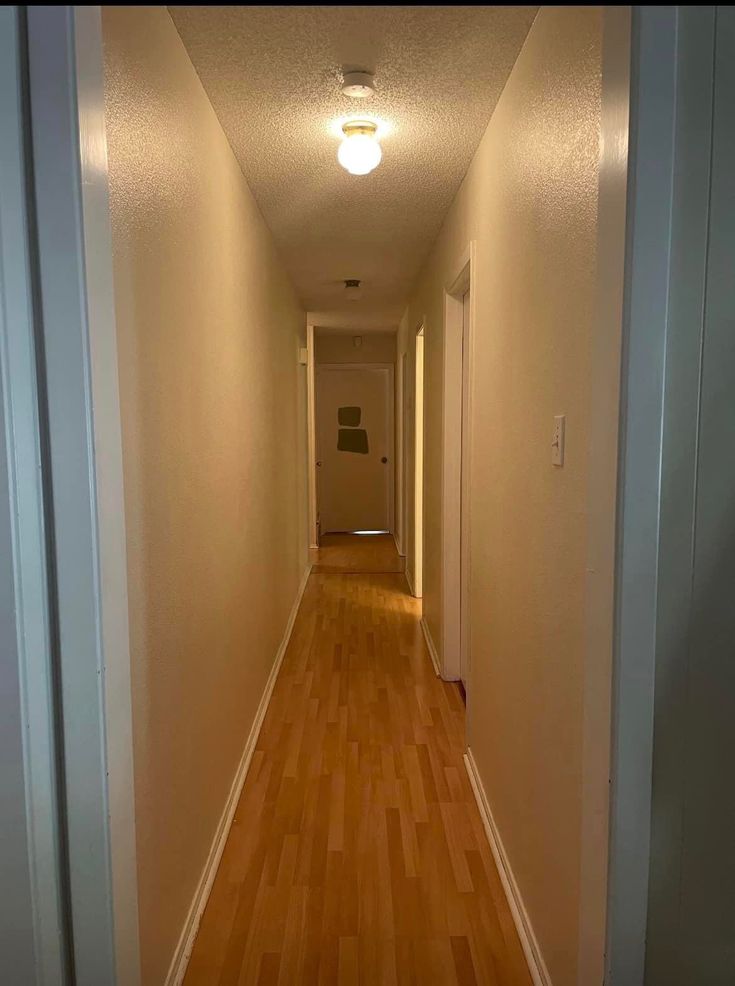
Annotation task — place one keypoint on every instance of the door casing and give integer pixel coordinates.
(457, 420)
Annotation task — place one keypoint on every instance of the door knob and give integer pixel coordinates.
(318, 462)
(384, 460)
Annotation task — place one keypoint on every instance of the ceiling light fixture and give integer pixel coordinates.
(358, 85)
(353, 291)
(360, 152)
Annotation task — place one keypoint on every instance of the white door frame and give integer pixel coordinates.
(456, 461)
(390, 425)
(84, 501)
(670, 114)
(33, 929)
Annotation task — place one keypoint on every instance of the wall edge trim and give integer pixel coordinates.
(529, 943)
(185, 944)
(430, 646)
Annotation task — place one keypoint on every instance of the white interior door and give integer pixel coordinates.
(354, 413)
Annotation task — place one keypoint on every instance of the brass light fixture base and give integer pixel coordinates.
(353, 127)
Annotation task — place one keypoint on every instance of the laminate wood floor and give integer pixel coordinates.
(356, 553)
(357, 854)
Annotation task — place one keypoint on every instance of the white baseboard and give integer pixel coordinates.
(399, 549)
(430, 646)
(529, 944)
(185, 944)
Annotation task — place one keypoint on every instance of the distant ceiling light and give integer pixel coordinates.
(360, 152)
(358, 85)
(353, 291)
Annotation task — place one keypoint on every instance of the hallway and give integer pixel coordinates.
(357, 853)
(366, 522)
(320, 417)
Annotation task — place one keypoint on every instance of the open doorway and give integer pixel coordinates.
(418, 460)
(404, 457)
(456, 479)
(464, 508)
(400, 532)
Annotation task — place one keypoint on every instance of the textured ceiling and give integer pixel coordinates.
(273, 76)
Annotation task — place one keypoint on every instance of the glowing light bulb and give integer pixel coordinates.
(359, 153)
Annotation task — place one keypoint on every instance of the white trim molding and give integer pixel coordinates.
(409, 581)
(430, 646)
(529, 944)
(182, 953)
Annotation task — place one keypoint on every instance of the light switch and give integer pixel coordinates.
(557, 442)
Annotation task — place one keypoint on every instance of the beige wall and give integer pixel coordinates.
(212, 404)
(377, 347)
(529, 201)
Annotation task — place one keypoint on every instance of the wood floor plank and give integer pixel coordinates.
(464, 968)
(337, 554)
(357, 854)
(269, 967)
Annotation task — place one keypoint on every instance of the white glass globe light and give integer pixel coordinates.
(359, 153)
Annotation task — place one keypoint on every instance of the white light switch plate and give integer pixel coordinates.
(557, 442)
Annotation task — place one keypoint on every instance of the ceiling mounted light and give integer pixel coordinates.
(359, 153)
(353, 291)
(358, 85)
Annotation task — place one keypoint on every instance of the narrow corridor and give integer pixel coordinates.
(357, 853)
(345, 349)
